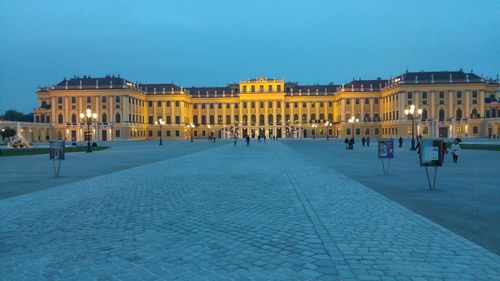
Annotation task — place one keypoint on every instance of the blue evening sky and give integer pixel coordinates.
(211, 43)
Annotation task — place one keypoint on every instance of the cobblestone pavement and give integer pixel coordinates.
(262, 212)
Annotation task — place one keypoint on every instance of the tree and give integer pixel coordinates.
(14, 115)
(7, 132)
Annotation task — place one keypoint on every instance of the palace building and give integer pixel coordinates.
(453, 103)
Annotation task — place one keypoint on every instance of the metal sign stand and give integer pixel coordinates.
(57, 168)
(433, 185)
(385, 168)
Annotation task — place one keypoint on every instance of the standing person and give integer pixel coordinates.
(363, 141)
(351, 144)
(258, 138)
(327, 137)
(235, 140)
(346, 141)
(455, 150)
(400, 141)
(248, 140)
(368, 141)
(444, 150)
(214, 138)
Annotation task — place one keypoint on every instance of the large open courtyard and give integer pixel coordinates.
(281, 210)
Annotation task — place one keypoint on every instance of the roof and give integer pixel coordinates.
(438, 77)
(211, 91)
(152, 89)
(87, 81)
(367, 85)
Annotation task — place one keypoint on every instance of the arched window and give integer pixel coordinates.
(212, 120)
(261, 119)
(287, 118)
(278, 119)
(304, 118)
(203, 120)
(228, 119)
(245, 120)
(219, 120)
(270, 119)
(459, 114)
(367, 117)
(253, 119)
(236, 118)
(313, 118)
(330, 118)
(73, 118)
(296, 118)
(118, 118)
(322, 117)
(104, 118)
(441, 115)
(195, 119)
(424, 114)
(494, 112)
(60, 119)
(474, 114)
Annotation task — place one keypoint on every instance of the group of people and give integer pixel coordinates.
(247, 139)
(349, 142)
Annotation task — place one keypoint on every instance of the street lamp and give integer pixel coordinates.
(314, 130)
(90, 116)
(191, 127)
(353, 120)
(327, 125)
(412, 113)
(160, 122)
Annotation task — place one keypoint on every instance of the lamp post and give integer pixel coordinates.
(327, 125)
(411, 113)
(190, 127)
(353, 120)
(314, 130)
(89, 117)
(160, 122)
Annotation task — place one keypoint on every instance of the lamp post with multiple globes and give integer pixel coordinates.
(411, 113)
(160, 122)
(353, 120)
(89, 118)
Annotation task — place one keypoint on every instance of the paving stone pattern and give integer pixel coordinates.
(262, 212)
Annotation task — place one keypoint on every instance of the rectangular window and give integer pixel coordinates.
(244, 104)
(261, 88)
(321, 104)
(117, 99)
(176, 103)
(357, 101)
(150, 104)
(89, 100)
(278, 104)
(441, 97)
(296, 104)
(270, 104)
(313, 104)
(219, 105)
(150, 119)
(278, 88)
(235, 105)
(253, 104)
(168, 120)
(117, 133)
(410, 98)
(424, 97)
(158, 104)
(244, 89)
(261, 104)
(211, 106)
(252, 89)
(177, 133)
(168, 103)
(228, 105)
(375, 101)
(103, 99)
(348, 101)
(304, 104)
(168, 133)
(177, 120)
(330, 103)
(195, 106)
(287, 105)
(203, 106)
(270, 89)
(459, 97)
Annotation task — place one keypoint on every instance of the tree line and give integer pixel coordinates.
(14, 115)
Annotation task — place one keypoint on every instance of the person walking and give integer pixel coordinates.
(368, 141)
(258, 138)
(444, 150)
(400, 141)
(363, 141)
(248, 140)
(351, 144)
(346, 141)
(455, 150)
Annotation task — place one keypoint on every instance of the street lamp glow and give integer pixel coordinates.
(82, 115)
(411, 113)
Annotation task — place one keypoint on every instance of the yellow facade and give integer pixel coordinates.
(270, 107)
